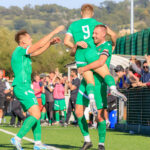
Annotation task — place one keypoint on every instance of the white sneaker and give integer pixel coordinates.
(116, 93)
(16, 143)
(93, 107)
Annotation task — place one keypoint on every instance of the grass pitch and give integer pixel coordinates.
(70, 138)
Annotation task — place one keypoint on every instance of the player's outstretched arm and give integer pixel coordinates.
(46, 46)
(68, 42)
(41, 43)
(113, 36)
(94, 65)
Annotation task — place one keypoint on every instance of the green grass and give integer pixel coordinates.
(70, 137)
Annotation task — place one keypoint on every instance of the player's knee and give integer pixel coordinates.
(100, 118)
(35, 112)
(78, 113)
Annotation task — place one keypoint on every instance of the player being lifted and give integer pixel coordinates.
(82, 30)
(104, 52)
(21, 66)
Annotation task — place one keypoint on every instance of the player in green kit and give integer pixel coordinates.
(82, 30)
(104, 52)
(21, 66)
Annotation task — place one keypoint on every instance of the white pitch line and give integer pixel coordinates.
(27, 139)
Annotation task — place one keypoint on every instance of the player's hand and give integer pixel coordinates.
(80, 70)
(55, 40)
(82, 44)
(59, 29)
(147, 57)
(113, 48)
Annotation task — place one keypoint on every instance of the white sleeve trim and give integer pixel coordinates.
(69, 33)
(27, 50)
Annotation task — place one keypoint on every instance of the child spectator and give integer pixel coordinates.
(59, 99)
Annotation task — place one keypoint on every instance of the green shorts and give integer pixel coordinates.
(59, 104)
(26, 96)
(100, 94)
(85, 56)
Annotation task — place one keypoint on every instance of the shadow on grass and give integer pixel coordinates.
(11, 147)
(64, 146)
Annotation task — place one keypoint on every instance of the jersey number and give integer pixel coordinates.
(86, 30)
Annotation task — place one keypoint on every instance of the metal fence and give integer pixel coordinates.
(135, 113)
(134, 44)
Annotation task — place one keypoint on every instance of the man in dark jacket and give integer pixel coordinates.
(3, 90)
(74, 87)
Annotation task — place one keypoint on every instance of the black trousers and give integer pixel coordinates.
(49, 109)
(16, 112)
(71, 107)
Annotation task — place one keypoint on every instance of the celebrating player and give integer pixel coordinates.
(82, 30)
(104, 52)
(21, 66)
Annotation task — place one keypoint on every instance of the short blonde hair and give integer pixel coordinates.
(87, 8)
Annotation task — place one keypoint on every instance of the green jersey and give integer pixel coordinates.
(105, 49)
(21, 66)
(82, 30)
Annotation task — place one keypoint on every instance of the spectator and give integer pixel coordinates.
(59, 99)
(121, 77)
(16, 112)
(4, 89)
(144, 72)
(49, 98)
(43, 98)
(74, 87)
(64, 80)
(132, 78)
(38, 90)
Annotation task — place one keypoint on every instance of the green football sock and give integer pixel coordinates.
(36, 129)
(75, 117)
(65, 114)
(43, 114)
(109, 80)
(57, 116)
(50, 121)
(83, 126)
(46, 116)
(27, 125)
(102, 131)
(90, 88)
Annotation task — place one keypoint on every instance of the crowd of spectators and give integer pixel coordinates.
(50, 90)
(136, 75)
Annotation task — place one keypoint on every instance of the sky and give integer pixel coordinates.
(66, 3)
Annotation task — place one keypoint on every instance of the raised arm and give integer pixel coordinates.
(113, 37)
(46, 46)
(68, 42)
(41, 43)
